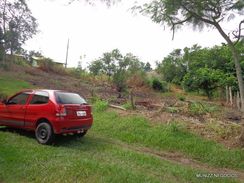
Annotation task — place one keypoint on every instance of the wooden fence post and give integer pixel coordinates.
(132, 100)
(227, 94)
(231, 97)
(238, 100)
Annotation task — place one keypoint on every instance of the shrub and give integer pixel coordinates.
(138, 79)
(119, 80)
(159, 85)
(182, 98)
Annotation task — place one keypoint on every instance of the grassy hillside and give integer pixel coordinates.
(118, 148)
(10, 85)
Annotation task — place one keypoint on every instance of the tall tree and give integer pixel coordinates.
(201, 13)
(17, 24)
(174, 62)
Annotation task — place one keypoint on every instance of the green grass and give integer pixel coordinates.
(92, 159)
(137, 130)
(10, 85)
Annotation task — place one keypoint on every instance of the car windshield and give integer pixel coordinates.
(69, 98)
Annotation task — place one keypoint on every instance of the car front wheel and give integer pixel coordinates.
(44, 133)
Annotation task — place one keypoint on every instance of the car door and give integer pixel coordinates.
(15, 109)
(38, 108)
(3, 112)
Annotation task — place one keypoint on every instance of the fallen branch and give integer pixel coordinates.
(117, 107)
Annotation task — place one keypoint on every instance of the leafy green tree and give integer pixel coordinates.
(17, 24)
(134, 64)
(173, 67)
(96, 67)
(147, 67)
(108, 64)
(200, 14)
(117, 66)
(204, 79)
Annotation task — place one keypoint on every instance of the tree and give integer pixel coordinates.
(96, 67)
(174, 62)
(117, 66)
(17, 24)
(147, 67)
(199, 14)
(204, 79)
(134, 64)
(108, 64)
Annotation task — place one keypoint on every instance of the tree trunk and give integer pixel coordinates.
(236, 58)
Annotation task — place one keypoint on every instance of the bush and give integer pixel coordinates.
(119, 80)
(159, 85)
(182, 98)
(138, 79)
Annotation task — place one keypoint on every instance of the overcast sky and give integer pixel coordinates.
(93, 30)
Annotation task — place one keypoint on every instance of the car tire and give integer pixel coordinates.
(44, 133)
(82, 134)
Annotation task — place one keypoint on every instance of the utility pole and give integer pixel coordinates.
(67, 53)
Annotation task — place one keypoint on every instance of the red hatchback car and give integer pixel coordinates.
(47, 112)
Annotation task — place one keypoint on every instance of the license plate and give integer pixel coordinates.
(81, 113)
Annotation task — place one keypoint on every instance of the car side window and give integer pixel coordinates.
(40, 98)
(19, 99)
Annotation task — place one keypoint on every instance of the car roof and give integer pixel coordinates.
(36, 90)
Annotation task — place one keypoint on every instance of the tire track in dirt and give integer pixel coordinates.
(178, 158)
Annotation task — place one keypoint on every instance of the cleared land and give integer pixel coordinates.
(120, 147)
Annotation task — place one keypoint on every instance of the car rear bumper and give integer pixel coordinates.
(62, 125)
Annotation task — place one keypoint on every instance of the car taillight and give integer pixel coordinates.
(61, 112)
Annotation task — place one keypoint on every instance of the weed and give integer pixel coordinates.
(127, 106)
(182, 98)
(198, 108)
(172, 109)
(100, 105)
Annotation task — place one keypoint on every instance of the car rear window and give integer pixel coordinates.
(69, 98)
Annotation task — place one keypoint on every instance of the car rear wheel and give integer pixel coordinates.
(44, 133)
(82, 134)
